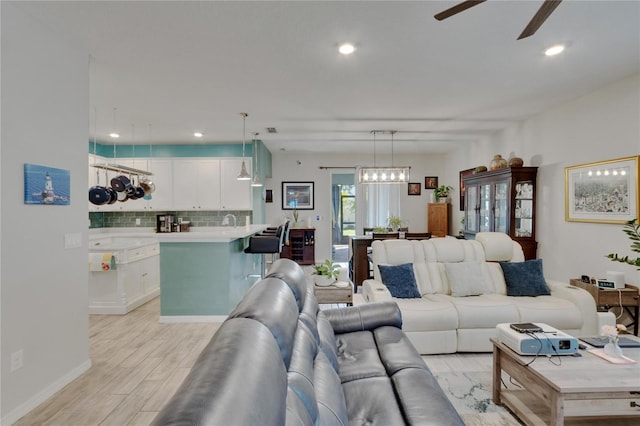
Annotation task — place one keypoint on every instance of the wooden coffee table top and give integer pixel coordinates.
(587, 373)
(583, 389)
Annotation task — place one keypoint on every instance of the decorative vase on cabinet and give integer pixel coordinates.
(503, 200)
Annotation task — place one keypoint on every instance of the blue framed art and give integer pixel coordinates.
(46, 185)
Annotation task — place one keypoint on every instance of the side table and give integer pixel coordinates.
(628, 298)
(332, 294)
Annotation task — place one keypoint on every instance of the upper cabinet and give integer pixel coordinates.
(196, 184)
(503, 200)
(181, 184)
(235, 194)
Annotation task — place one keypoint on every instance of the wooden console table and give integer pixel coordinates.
(627, 298)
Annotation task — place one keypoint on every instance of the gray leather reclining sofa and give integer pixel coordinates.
(279, 360)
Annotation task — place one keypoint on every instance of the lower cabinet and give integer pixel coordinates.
(134, 281)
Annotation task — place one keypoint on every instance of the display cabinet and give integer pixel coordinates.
(301, 248)
(503, 200)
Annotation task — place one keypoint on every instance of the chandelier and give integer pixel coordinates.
(383, 174)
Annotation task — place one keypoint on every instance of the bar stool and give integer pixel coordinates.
(268, 243)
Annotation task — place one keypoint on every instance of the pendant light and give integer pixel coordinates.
(244, 175)
(375, 174)
(114, 132)
(255, 182)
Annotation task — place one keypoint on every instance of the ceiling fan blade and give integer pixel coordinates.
(460, 7)
(538, 19)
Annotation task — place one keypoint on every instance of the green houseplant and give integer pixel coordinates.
(395, 222)
(632, 229)
(326, 273)
(442, 193)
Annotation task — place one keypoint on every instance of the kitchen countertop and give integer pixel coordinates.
(208, 234)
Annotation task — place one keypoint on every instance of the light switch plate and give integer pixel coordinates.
(73, 240)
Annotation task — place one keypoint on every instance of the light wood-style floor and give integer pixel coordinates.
(138, 364)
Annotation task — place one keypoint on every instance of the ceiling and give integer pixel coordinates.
(171, 68)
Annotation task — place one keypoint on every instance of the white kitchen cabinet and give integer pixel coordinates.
(134, 281)
(196, 184)
(181, 184)
(162, 198)
(235, 194)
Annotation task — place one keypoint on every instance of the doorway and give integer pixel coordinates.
(343, 220)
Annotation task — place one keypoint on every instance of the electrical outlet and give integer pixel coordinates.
(138, 221)
(17, 360)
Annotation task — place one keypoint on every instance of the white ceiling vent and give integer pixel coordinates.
(272, 130)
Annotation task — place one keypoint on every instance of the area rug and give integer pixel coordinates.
(470, 394)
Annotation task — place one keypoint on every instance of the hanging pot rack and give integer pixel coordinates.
(121, 169)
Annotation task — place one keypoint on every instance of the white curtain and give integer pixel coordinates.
(376, 202)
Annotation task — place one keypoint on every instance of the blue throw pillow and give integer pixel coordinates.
(525, 278)
(400, 280)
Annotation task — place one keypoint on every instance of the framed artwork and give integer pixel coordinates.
(297, 195)
(46, 185)
(463, 173)
(604, 192)
(414, 188)
(430, 182)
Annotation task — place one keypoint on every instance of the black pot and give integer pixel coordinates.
(139, 192)
(113, 195)
(99, 195)
(121, 183)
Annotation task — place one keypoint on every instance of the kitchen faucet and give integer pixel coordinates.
(225, 220)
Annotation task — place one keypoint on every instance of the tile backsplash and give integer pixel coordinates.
(148, 219)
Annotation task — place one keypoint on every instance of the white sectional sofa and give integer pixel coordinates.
(439, 318)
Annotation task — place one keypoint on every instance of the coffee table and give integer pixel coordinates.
(581, 389)
(333, 294)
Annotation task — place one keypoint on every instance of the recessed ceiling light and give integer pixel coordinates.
(346, 48)
(198, 134)
(114, 135)
(554, 50)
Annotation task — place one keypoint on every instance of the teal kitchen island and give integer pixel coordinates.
(204, 274)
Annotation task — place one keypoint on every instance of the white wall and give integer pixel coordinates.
(601, 126)
(45, 106)
(286, 168)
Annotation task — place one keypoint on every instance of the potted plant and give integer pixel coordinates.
(632, 229)
(326, 273)
(395, 222)
(442, 193)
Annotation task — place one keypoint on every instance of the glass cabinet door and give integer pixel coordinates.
(471, 201)
(485, 208)
(524, 209)
(500, 207)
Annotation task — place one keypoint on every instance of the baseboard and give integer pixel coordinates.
(113, 308)
(192, 318)
(44, 394)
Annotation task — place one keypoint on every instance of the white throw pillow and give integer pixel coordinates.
(466, 279)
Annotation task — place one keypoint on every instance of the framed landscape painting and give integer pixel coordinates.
(605, 192)
(297, 195)
(46, 185)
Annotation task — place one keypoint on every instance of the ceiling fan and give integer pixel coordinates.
(536, 22)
